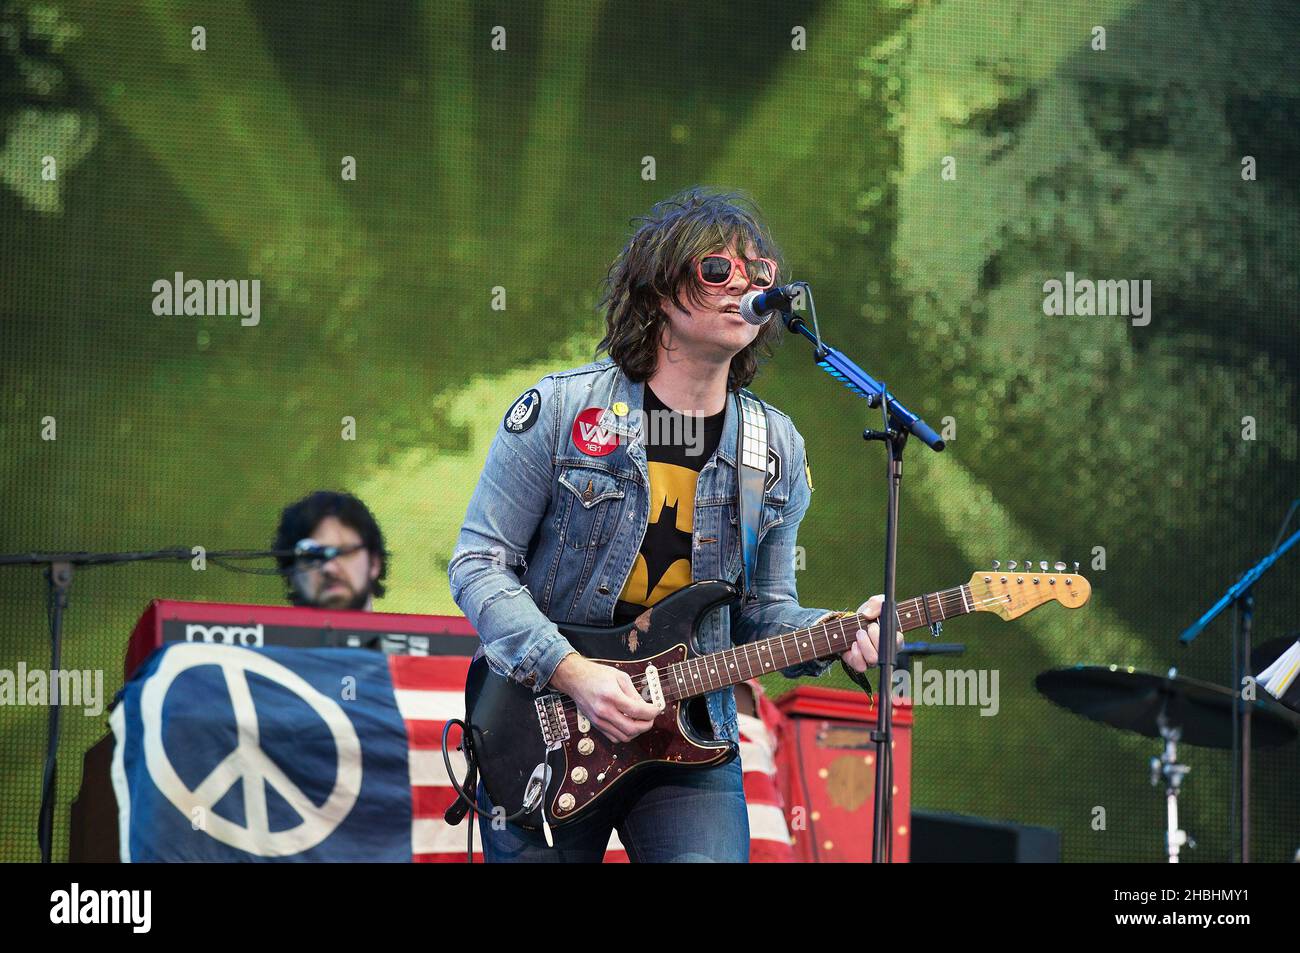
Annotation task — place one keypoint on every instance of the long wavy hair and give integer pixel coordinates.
(658, 262)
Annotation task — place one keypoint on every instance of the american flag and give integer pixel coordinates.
(430, 690)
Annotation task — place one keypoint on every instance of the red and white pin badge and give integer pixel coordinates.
(590, 437)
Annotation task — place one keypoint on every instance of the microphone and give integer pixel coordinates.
(757, 307)
(309, 551)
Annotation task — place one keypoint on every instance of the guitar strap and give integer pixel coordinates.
(751, 457)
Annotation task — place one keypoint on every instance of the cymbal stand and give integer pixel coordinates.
(1166, 767)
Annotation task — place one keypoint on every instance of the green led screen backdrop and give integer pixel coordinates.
(428, 196)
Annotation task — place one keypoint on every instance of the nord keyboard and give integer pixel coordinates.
(219, 623)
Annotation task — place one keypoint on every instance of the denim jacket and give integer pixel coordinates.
(552, 533)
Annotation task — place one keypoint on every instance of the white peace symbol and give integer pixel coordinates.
(248, 763)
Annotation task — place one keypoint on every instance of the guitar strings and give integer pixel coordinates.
(570, 706)
(639, 681)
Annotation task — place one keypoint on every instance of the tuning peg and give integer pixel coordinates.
(1059, 566)
(997, 564)
(1076, 567)
(1011, 565)
(1042, 566)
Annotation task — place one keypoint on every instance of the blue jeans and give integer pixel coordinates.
(663, 814)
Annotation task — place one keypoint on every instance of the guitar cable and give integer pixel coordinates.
(467, 788)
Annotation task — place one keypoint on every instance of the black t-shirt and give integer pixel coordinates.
(677, 447)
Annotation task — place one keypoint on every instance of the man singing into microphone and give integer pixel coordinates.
(585, 513)
(341, 562)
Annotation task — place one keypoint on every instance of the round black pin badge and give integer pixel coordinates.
(523, 413)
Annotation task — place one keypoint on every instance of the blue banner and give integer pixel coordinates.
(226, 753)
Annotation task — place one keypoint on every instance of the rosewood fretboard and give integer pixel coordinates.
(706, 673)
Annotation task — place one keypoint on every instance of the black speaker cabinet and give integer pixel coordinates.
(956, 838)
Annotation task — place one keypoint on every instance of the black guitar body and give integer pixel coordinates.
(509, 723)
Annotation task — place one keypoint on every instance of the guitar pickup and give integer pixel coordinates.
(653, 691)
(550, 716)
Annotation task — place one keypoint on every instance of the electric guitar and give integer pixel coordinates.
(538, 750)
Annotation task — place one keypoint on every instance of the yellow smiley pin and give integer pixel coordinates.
(620, 409)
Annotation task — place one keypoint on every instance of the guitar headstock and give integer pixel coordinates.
(1011, 592)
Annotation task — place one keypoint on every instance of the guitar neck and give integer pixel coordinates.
(706, 673)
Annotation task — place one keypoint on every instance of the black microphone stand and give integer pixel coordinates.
(899, 422)
(58, 575)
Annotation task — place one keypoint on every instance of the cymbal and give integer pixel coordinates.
(1131, 700)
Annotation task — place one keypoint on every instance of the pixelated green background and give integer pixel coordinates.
(522, 168)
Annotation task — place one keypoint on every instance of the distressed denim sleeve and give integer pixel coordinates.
(777, 608)
(509, 502)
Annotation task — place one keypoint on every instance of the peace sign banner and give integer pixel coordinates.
(277, 754)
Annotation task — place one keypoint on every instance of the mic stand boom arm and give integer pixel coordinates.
(898, 423)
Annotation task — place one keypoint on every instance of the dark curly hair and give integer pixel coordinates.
(659, 262)
(299, 520)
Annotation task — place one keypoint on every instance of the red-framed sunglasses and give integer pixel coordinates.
(718, 270)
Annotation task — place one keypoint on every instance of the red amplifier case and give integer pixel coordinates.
(827, 765)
